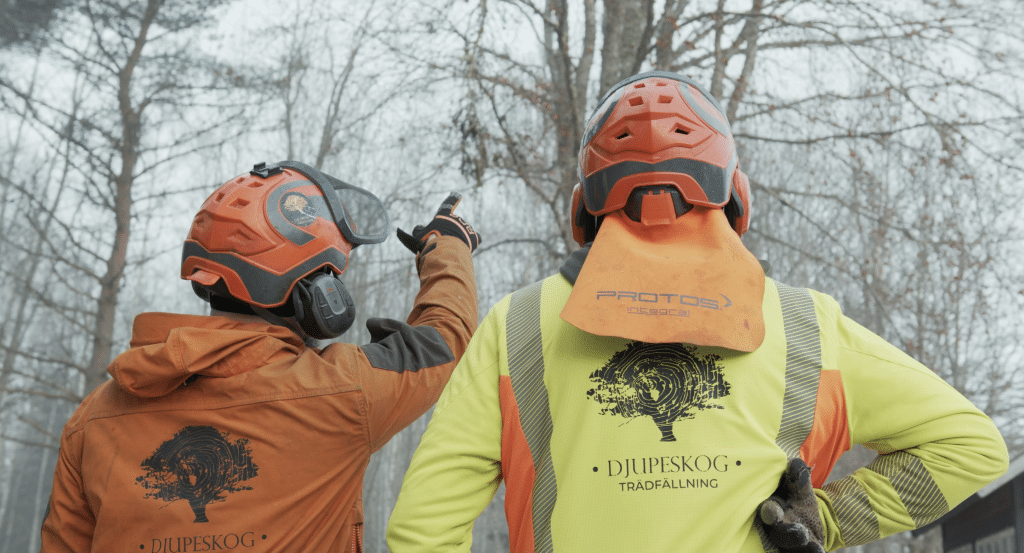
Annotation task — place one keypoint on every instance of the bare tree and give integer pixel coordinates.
(144, 101)
(140, 75)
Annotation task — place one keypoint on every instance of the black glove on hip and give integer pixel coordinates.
(444, 223)
(790, 515)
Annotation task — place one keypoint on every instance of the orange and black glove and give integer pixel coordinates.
(444, 223)
(790, 515)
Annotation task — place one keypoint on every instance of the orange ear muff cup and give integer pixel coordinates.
(741, 197)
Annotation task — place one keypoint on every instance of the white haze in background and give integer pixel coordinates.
(405, 153)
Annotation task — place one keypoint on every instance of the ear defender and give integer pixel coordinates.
(584, 225)
(323, 307)
(738, 208)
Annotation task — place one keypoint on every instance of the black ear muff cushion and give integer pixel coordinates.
(584, 220)
(734, 209)
(301, 303)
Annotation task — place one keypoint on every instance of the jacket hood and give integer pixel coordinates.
(168, 349)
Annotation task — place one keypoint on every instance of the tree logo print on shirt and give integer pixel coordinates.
(199, 465)
(667, 382)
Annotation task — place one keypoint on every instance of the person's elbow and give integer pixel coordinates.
(980, 454)
(996, 458)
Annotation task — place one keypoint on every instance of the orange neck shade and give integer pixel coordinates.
(688, 279)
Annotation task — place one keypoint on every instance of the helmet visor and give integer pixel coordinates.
(362, 218)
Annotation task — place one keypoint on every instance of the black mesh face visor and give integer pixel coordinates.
(360, 216)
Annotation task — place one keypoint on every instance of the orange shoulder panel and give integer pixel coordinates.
(518, 471)
(830, 435)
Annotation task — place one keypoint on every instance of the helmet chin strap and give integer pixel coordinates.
(289, 323)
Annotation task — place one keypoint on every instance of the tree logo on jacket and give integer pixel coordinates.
(199, 465)
(667, 382)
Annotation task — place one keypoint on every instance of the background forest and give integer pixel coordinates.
(883, 140)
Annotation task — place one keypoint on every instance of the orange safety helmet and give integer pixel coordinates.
(663, 130)
(263, 232)
(662, 205)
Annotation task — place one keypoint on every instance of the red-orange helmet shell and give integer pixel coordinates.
(657, 128)
(262, 231)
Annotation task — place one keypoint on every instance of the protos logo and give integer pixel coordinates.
(668, 299)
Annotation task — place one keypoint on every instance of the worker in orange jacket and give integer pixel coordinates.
(233, 431)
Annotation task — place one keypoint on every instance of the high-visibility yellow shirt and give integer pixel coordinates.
(628, 446)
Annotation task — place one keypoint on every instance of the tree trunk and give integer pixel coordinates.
(721, 60)
(43, 485)
(22, 318)
(664, 54)
(566, 102)
(110, 282)
(625, 39)
(750, 34)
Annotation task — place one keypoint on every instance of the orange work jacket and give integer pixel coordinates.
(220, 435)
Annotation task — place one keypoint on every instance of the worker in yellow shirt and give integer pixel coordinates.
(661, 394)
